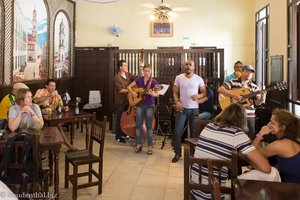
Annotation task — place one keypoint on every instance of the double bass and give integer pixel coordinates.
(128, 122)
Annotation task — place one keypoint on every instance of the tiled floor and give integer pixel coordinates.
(131, 176)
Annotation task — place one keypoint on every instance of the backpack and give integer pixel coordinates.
(9, 153)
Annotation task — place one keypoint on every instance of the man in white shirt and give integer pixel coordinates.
(186, 97)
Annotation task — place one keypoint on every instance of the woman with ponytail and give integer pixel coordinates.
(286, 127)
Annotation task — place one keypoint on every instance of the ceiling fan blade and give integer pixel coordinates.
(181, 9)
(148, 5)
(145, 12)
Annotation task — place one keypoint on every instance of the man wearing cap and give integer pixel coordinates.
(245, 82)
(238, 66)
(7, 102)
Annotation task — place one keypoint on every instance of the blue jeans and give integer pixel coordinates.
(119, 108)
(205, 115)
(186, 114)
(142, 112)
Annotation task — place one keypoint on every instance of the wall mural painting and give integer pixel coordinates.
(61, 47)
(30, 40)
(1, 49)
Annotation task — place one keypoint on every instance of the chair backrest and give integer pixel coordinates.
(201, 168)
(94, 96)
(21, 159)
(98, 134)
(199, 125)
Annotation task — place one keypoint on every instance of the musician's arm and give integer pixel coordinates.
(119, 85)
(175, 93)
(203, 92)
(224, 91)
(130, 87)
(202, 100)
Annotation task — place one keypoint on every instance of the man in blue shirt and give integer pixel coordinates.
(237, 72)
(206, 105)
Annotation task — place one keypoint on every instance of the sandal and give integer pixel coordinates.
(138, 149)
(149, 151)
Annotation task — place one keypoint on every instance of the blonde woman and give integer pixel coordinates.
(24, 113)
(146, 109)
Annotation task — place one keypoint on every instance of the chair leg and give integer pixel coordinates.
(74, 182)
(46, 183)
(66, 173)
(100, 171)
(90, 174)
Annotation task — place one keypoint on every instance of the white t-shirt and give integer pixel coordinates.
(187, 88)
(25, 117)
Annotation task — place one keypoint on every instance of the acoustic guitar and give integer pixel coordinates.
(141, 92)
(246, 100)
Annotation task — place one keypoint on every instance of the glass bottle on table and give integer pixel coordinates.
(58, 107)
(77, 108)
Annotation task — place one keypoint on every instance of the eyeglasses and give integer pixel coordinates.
(190, 64)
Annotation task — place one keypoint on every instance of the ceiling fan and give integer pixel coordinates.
(163, 11)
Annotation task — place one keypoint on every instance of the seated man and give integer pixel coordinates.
(7, 102)
(237, 72)
(48, 98)
(206, 104)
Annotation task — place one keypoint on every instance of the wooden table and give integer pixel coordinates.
(261, 190)
(69, 118)
(49, 140)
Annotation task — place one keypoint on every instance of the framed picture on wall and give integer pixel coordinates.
(61, 46)
(30, 49)
(161, 28)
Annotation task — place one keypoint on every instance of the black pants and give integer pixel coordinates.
(251, 127)
(3, 124)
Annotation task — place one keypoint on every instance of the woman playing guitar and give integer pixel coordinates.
(145, 109)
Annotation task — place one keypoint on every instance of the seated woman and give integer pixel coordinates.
(220, 137)
(286, 127)
(25, 112)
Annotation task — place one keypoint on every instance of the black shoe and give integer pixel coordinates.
(125, 137)
(176, 158)
(120, 140)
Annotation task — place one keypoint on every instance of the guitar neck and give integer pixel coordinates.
(253, 94)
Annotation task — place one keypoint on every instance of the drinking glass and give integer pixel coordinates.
(49, 112)
(24, 126)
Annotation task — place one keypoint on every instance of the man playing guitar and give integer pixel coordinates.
(244, 81)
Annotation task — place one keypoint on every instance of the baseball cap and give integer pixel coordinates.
(248, 68)
(20, 86)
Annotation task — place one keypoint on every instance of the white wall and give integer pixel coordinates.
(226, 24)
(278, 27)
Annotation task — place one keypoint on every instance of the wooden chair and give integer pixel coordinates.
(16, 176)
(210, 168)
(199, 125)
(86, 157)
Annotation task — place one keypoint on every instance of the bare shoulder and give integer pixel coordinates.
(290, 147)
